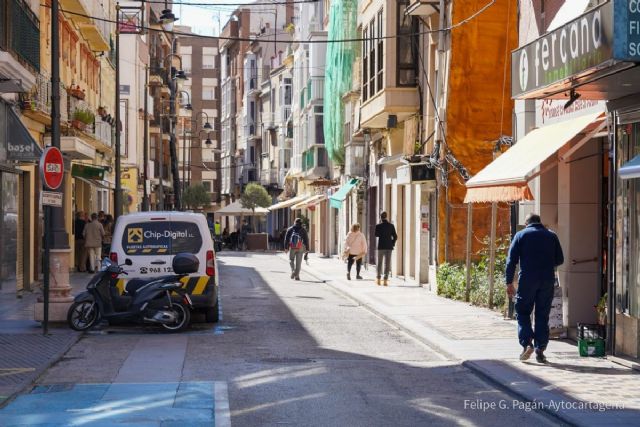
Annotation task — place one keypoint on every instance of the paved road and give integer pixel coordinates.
(285, 353)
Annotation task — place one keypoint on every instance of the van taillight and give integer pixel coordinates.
(211, 266)
(113, 256)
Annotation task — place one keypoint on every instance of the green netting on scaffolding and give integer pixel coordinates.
(338, 73)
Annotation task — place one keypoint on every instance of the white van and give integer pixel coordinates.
(151, 240)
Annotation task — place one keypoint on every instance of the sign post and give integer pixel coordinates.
(52, 172)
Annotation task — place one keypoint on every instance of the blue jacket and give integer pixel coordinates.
(538, 251)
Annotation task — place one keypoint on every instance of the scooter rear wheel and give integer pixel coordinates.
(184, 318)
(83, 315)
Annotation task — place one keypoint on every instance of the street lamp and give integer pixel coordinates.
(186, 106)
(173, 76)
(206, 125)
(167, 18)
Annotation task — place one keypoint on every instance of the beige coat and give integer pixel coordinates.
(355, 243)
(93, 234)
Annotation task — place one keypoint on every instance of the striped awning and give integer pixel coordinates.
(287, 203)
(309, 202)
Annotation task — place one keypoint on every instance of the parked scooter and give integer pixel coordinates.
(144, 300)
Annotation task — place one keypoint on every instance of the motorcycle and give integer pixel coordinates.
(144, 300)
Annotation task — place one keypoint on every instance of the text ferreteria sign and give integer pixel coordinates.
(578, 46)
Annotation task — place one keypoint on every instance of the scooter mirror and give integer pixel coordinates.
(128, 261)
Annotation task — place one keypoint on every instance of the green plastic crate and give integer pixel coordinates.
(591, 347)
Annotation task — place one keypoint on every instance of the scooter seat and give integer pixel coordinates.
(133, 285)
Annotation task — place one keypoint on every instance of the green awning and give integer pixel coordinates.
(338, 197)
(88, 172)
(631, 169)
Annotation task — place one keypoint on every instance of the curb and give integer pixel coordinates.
(37, 373)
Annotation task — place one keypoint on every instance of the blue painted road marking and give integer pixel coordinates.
(150, 404)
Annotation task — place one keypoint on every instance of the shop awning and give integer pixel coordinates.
(505, 179)
(338, 197)
(20, 144)
(309, 202)
(236, 209)
(92, 182)
(631, 169)
(286, 203)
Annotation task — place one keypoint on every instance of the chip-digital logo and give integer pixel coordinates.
(134, 235)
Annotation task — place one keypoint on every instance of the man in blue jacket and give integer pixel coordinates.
(538, 251)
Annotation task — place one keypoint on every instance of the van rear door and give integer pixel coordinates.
(148, 244)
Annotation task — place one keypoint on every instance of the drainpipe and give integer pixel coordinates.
(611, 229)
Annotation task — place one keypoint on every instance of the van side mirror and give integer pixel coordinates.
(128, 261)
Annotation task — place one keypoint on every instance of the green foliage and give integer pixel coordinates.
(255, 196)
(84, 115)
(451, 278)
(196, 196)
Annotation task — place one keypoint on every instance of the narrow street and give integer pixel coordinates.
(285, 353)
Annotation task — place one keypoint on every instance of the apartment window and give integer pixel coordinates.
(209, 58)
(288, 92)
(373, 57)
(209, 89)
(208, 185)
(406, 47)
(186, 63)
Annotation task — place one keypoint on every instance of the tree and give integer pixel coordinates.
(255, 196)
(196, 196)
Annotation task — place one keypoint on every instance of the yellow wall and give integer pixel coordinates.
(479, 111)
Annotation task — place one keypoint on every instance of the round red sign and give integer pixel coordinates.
(52, 168)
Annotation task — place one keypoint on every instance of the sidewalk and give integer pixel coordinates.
(24, 351)
(580, 391)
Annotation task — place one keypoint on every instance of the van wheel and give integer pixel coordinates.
(183, 320)
(212, 315)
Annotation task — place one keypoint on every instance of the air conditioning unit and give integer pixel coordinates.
(415, 173)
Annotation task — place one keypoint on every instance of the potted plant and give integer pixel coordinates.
(81, 118)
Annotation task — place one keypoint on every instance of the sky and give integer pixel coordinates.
(206, 20)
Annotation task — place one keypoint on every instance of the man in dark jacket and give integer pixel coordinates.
(538, 251)
(296, 241)
(387, 237)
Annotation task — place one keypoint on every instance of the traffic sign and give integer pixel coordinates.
(52, 168)
(52, 198)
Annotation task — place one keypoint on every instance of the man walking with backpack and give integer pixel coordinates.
(296, 241)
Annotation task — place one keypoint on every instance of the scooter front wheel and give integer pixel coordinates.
(83, 315)
(182, 320)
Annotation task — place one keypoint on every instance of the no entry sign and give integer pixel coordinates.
(52, 168)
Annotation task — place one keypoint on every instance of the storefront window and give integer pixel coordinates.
(628, 225)
(9, 230)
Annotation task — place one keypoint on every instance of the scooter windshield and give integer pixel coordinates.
(106, 263)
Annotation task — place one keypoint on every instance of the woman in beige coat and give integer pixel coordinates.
(355, 246)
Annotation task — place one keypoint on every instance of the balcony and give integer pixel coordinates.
(315, 89)
(315, 163)
(401, 102)
(269, 176)
(354, 164)
(75, 148)
(97, 31)
(36, 104)
(19, 42)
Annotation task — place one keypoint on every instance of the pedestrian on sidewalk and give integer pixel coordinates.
(296, 241)
(93, 236)
(538, 251)
(355, 245)
(387, 237)
(78, 235)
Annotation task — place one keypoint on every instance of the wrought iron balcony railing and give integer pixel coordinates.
(20, 32)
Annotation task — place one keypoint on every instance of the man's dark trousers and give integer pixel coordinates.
(538, 293)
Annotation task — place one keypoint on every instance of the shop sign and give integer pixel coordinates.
(578, 46)
(87, 172)
(549, 111)
(52, 198)
(627, 37)
(20, 144)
